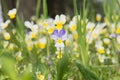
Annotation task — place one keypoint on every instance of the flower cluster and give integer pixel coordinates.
(43, 42)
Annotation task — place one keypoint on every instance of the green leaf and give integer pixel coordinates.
(86, 72)
(27, 74)
(8, 67)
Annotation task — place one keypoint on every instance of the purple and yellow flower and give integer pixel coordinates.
(59, 36)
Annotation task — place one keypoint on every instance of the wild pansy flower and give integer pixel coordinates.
(108, 51)
(94, 34)
(34, 29)
(6, 35)
(11, 46)
(101, 58)
(45, 24)
(97, 30)
(98, 17)
(12, 13)
(48, 25)
(90, 26)
(50, 28)
(31, 25)
(112, 27)
(30, 46)
(5, 44)
(75, 18)
(106, 41)
(59, 36)
(69, 40)
(39, 76)
(33, 34)
(18, 55)
(28, 39)
(99, 47)
(43, 42)
(5, 24)
(72, 26)
(59, 21)
(75, 35)
(29, 42)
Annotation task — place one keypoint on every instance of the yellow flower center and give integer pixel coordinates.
(59, 41)
(59, 25)
(67, 42)
(98, 18)
(91, 28)
(42, 45)
(118, 31)
(30, 47)
(40, 77)
(95, 35)
(11, 47)
(59, 55)
(44, 24)
(107, 42)
(6, 36)
(50, 30)
(101, 51)
(12, 16)
(75, 36)
(33, 35)
(73, 28)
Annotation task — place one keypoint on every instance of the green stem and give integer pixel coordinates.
(45, 10)
(75, 7)
(17, 4)
(38, 8)
(48, 45)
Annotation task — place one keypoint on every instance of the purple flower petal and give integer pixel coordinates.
(62, 33)
(55, 32)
